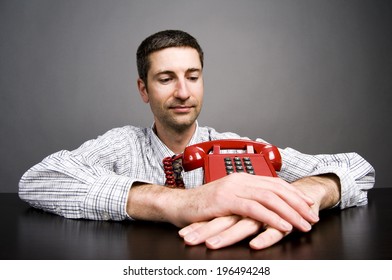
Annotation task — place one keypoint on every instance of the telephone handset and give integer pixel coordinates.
(258, 159)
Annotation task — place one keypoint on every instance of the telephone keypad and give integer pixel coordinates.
(240, 165)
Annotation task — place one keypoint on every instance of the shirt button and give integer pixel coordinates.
(105, 216)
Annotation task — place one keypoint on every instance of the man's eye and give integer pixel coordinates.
(165, 80)
(193, 78)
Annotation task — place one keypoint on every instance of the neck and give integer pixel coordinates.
(173, 139)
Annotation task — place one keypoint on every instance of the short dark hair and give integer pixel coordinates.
(162, 40)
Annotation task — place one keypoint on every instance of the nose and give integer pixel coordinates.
(182, 92)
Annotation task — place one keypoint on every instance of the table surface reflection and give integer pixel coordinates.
(27, 233)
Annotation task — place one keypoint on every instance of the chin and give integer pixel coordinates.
(182, 125)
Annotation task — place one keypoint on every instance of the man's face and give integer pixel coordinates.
(174, 88)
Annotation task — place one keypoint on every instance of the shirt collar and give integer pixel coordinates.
(161, 150)
(195, 138)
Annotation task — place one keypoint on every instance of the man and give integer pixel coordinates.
(120, 174)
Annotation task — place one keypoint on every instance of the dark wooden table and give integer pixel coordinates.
(27, 233)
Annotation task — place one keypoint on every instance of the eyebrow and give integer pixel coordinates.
(170, 72)
(193, 70)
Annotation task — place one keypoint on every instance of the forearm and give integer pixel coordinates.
(148, 202)
(151, 202)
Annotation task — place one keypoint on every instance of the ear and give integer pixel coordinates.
(143, 90)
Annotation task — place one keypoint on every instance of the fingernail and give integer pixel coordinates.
(286, 226)
(314, 216)
(191, 237)
(256, 243)
(183, 232)
(306, 225)
(214, 240)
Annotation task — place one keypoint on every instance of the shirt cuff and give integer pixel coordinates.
(346, 184)
(107, 198)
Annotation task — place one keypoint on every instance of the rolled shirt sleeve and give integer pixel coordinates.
(91, 182)
(356, 175)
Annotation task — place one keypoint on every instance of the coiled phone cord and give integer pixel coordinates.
(173, 171)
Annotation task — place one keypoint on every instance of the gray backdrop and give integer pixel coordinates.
(312, 75)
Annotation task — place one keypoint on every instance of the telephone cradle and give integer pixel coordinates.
(247, 156)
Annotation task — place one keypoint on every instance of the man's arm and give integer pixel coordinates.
(355, 174)
(90, 182)
(265, 199)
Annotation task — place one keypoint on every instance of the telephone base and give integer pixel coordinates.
(220, 165)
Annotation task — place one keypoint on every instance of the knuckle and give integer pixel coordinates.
(220, 191)
(249, 207)
(231, 178)
(266, 195)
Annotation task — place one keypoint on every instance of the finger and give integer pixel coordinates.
(239, 231)
(200, 233)
(276, 185)
(192, 227)
(275, 204)
(267, 238)
(290, 187)
(263, 190)
(258, 212)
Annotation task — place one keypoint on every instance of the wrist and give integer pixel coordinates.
(324, 189)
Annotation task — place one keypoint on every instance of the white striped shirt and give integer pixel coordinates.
(93, 181)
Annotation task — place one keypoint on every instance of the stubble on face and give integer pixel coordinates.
(175, 114)
(175, 88)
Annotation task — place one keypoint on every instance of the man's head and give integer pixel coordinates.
(171, 79)
(162, 40)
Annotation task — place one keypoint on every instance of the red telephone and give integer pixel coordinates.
(259, 159)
